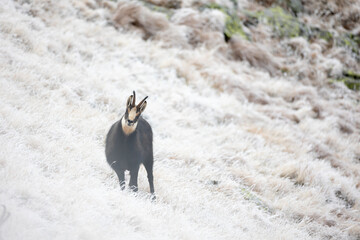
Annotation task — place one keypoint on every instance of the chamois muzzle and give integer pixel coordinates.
(130, 123)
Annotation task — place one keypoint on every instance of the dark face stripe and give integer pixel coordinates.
(127, 116)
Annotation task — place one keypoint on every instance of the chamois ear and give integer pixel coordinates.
(129, 101)
(142, 107)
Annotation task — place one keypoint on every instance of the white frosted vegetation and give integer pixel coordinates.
(238, 154)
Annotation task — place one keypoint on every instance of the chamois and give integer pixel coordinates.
(129, 144)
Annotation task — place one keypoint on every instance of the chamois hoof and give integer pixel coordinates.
(133, 188)
(153, 197)
(122, 185)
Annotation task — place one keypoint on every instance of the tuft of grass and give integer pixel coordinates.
(282, 22)
(350, 42)
(250, 196)
(167, 11)
(350, 79)
(233, 24)
(285, 25)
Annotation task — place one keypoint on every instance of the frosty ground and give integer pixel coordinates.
(241, 151)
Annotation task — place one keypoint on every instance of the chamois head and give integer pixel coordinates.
(132, 114)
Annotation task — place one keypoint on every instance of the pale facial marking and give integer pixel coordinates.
(132, 114)
(126, 128)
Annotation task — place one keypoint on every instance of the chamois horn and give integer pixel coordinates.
(140, 103)
(133, 102)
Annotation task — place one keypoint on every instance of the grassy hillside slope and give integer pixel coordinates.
(248, 143)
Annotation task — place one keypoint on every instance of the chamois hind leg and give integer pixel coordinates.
(149, 170)
(133, 184)
(121, 177)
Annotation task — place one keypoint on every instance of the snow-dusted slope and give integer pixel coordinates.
(238, 154)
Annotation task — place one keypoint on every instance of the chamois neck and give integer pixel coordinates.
(127, 130)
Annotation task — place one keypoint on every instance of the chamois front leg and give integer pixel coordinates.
(121, 176)
(133, 184)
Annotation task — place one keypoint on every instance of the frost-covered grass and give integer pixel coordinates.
(238, 154)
